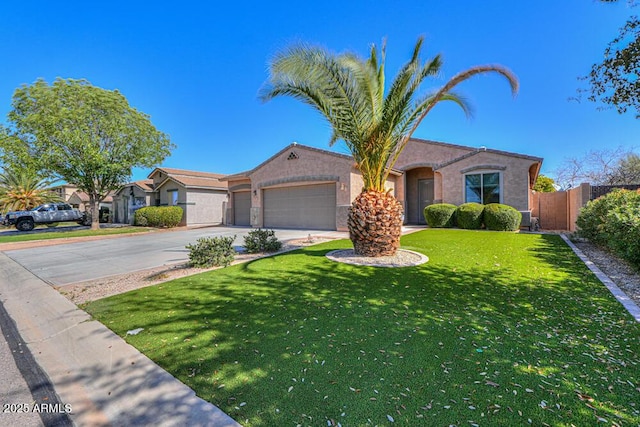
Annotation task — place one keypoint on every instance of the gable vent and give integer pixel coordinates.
(293, 156)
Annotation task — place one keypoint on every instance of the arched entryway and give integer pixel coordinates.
(419, 193)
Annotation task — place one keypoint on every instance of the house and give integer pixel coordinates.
(306, 187)
(130, 198)
(80, 200)
(201, 195)
(64, 191)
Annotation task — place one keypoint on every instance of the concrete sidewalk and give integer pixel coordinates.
(103, 380)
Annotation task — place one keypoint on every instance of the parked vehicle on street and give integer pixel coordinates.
(49, 214)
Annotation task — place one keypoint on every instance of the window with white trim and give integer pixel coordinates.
(173, 197)
(482, 188)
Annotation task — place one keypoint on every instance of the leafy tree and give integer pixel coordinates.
(375, 123)
(544, 184)
(22, 189)
(614, 81)
(87, 136)
(16, 155)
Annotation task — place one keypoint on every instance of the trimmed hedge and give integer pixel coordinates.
(440, 215)
(158, 216)
(500, 217)
(613, 220)
(469, 216)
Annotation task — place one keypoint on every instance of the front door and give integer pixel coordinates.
(425, 197)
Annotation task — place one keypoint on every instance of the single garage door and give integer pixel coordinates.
(242, 208)
(307, 206)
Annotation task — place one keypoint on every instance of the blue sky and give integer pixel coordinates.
(196, 66)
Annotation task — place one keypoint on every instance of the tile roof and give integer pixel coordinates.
(84, 197)
(193, 179)
(184, 172)
(144, 184)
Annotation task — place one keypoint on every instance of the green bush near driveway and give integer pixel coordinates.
(512, 328)
(260, 240)
(158, 216)
(212, 252)
(440, 215)
(469, 216)
(498, 217)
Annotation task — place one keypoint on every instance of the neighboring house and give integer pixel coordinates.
(80, 201)
(201, 195)
(130, 198)
(64, 191)
(306, 187)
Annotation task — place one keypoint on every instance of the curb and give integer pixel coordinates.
(618, 293)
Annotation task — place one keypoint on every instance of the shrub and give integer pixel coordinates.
(469, 216)
(211, 251)
(260, 240)
(158, 216)
(440, 215)
(613, 220)
(593, 216)
(499, 217)
(140, 218)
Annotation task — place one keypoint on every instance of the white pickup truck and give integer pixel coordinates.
(48, 214)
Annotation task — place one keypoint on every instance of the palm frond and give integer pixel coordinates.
(350, 93)
(21, 189)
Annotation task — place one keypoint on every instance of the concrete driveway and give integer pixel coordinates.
(76, 262)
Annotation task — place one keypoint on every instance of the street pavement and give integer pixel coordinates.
(61, 265)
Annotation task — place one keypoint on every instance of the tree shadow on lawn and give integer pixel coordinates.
(295, 338)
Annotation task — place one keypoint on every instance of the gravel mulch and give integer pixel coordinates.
(618, 270)
(402, 258)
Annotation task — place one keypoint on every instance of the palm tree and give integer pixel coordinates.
(22, 189)
(349, 92)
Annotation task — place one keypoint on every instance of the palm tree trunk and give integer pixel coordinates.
(375, 224)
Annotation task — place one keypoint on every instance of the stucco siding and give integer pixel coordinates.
(514, 177)
(205, 206)
(356, 186)
(443, 163)
(164, 193)
(427, 153)
(299, 165)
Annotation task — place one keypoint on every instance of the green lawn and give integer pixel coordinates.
(497, 329)
(65, 234)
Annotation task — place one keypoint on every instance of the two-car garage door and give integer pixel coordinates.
(306, 206)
